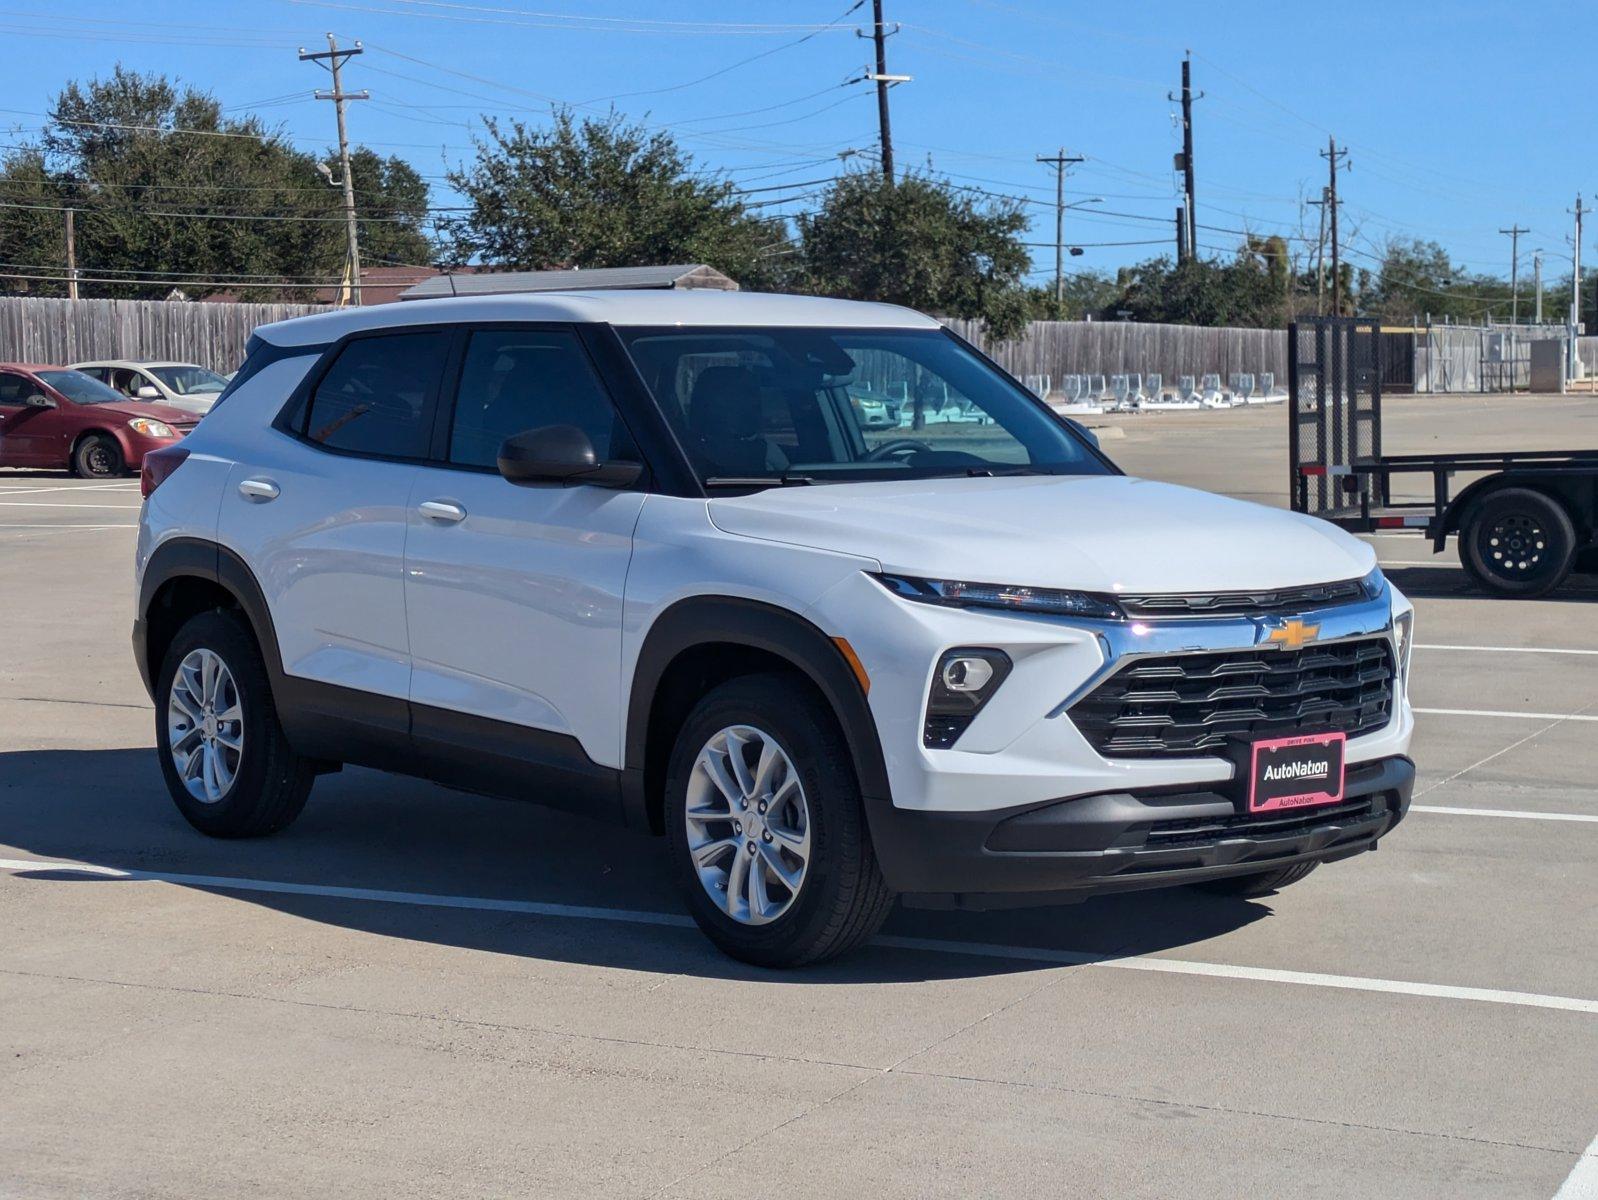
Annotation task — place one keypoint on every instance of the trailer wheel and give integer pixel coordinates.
(1518, 542)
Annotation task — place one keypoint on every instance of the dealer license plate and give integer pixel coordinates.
(1296, 772)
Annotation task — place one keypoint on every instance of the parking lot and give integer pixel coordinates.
(417, 992)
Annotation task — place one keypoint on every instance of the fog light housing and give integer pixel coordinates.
(965, 680)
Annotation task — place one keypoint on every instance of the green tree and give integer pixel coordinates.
(1417, 277)
(919, 242)
(1200, 292)
(164, 186)
(602, 192)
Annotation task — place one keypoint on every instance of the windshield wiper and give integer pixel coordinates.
(750, 481)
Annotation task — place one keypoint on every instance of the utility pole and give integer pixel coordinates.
(1513, 234)
(1333, 155)
(1181, 234)
(72, 256)
(1575, 274)
(1320, 258)
(1059, 162)
(1185, 161)
(879, 35)
(334, 59)
(1537, 275)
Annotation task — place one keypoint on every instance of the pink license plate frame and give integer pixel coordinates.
(1297, 772)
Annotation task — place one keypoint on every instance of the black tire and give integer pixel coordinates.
(1261, 883)
(843, 898)
(98, 457)
(1517, 542)
(271, 781)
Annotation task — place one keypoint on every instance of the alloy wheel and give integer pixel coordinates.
(748, 825)
(205, 725)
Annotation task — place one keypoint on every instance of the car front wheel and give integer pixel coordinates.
(766, 826)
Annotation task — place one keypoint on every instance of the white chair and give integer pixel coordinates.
(1071, 388)
(1210, 393)
(1097, 389)
(1153, 387)
(1134, 390)
(1120, 390)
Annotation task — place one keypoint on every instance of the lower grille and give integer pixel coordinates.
(1193, 831)
(1186, 704)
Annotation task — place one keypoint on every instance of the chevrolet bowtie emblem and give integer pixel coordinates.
(1293, 634)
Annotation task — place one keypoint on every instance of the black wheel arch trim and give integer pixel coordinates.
(709, 620)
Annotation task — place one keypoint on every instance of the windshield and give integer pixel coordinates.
(186, 381)
(81, 388)
(762, 406)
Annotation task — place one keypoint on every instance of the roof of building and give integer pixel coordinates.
(695, 307)
(499, 283)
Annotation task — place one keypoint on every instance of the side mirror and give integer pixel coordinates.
(37, 400)
(147, 391)
(561, 454)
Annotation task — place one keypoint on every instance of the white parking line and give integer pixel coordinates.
(1582, 1182)
(1505, 649)
(1503, 812)
(83, 487)
(1074, 958)
(1510, 716)
(53, 528)
(64, 504)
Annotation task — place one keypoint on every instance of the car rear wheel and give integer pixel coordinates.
(98, 457)
(1262, 883)
(766, 827)
(1518, 542)
(223, 753)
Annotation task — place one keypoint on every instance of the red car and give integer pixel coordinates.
(53, 417)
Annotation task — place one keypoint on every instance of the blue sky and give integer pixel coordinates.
(1461, 118)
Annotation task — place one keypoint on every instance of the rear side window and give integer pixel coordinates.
(377, 398)
(516, 380)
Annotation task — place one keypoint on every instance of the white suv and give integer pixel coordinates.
(638, 556)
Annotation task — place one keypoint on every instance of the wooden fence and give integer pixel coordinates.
(67, 331)
(39, 330)
(1059, 348)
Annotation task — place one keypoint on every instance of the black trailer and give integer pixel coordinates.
(1524, 520)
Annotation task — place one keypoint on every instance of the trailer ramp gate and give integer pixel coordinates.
(1335, 416)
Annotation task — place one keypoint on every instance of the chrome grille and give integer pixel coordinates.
(1186, 704)
(1297, 599)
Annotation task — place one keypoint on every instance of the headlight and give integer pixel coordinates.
(1404, 642)
(1373, 583)
(149, 428)
(957, 594)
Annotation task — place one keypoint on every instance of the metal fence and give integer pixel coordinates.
(1477, 358)
(1059, 348)
(39, 330)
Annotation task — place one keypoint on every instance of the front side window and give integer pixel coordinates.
(513, 381)
(80, 388)
(189, 381)
(377, 397)
(759, 406)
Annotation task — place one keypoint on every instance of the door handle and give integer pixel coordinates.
(260, 490)
(442, 510)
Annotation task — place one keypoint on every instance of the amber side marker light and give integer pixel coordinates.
(855, 665)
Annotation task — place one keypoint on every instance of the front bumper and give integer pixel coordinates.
(1122, 841)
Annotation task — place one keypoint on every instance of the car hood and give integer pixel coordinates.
(1101, 533)
(147, 408)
